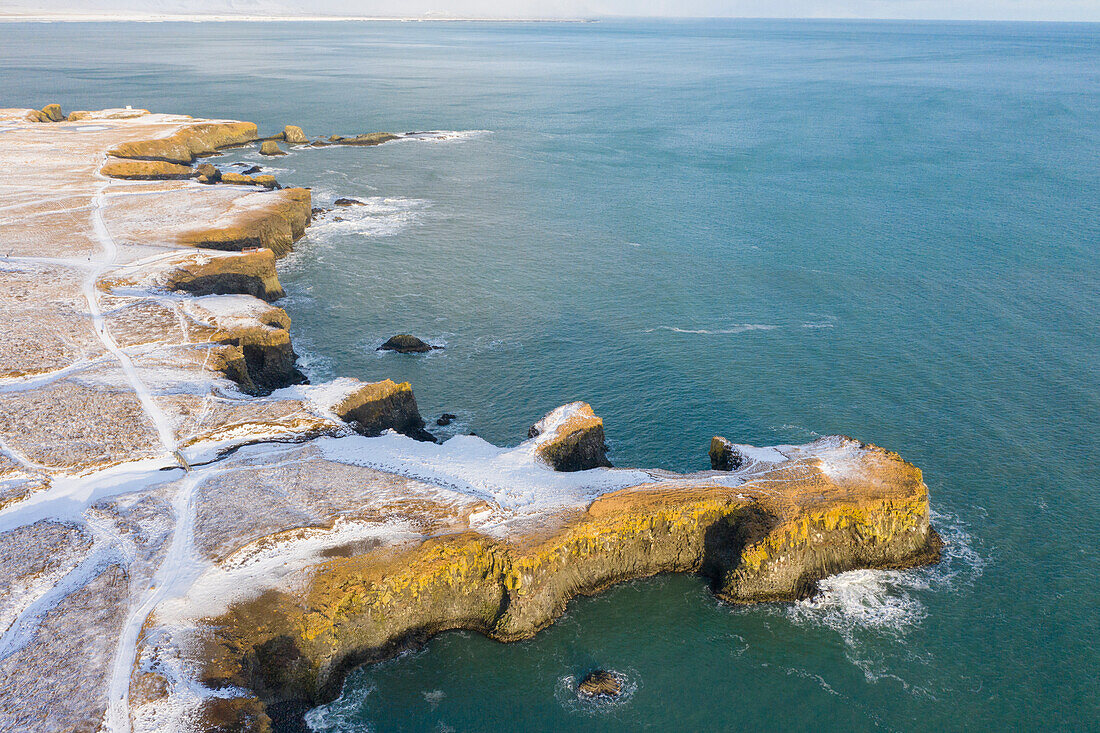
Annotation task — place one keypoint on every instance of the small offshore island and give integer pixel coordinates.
(193, 538)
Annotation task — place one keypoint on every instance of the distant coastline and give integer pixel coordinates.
(206, 18)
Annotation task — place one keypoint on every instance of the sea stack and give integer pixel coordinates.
(570, 438)
(724, 456)
(379, 406)
(294, 135)
(270, 147)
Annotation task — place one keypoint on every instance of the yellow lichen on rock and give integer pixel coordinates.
(184, 145)
(769, 539)
(147, 170)
(275, 223)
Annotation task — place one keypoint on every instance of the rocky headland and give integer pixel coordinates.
(193, 538)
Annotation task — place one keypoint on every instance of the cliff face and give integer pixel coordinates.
(832, 506)
(179, 512)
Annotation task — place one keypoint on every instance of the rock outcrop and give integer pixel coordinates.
(404, 343)
(769, 539)
(600, 683)
(192, 141)
(49, 113)
(270, 147)
(145, 170)
(724, 455)
(379, 406)
(570, 438)
(294, 135)
(255, 341)
(275, 222)
(370, 138)
(243, 179)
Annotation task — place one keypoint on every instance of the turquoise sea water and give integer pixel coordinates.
(766, 230)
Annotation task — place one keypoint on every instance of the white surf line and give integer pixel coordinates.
(110, 254)
(171, 579)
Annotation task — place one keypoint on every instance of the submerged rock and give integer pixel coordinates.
(404, 343)
(348, 202)
(724, 456)
(570, 438)
(380, 406)
(270, 147)
(294, 134)
(445, 419)
(600, 683)
(370, 138)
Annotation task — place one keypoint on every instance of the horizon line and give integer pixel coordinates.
(76, 17)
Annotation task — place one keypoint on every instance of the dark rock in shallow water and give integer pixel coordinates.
(404, 343)
(600, 683)
(251, 170)
(348, 202)
(723, 456)
(445, 419)
(370, 138)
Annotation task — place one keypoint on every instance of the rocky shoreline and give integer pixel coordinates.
(194, 538)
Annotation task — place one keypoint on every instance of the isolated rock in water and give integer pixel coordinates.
(404, 343)
(270, 147)
(348, 202)
(445, 419)
(380, 406)
(294, 134)
(600, 684)
(370, 138)
(251, 170)
(570, 438)
(724, 456)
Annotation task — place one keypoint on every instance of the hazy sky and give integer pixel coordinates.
(946, 9)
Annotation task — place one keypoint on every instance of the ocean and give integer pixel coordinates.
(766, 230)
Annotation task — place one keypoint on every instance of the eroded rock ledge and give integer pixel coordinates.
(832, 506)
(183, 538)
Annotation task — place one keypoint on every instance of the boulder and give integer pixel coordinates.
(251, 170)
(379, 406)
(270, 147)
(724, 456)
(570, 438)
(52, 113)
(600, 683)
(208, 173)
(446, 419)
(404, 343)
(294, 134)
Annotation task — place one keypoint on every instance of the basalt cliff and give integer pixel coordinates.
(194, 538)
